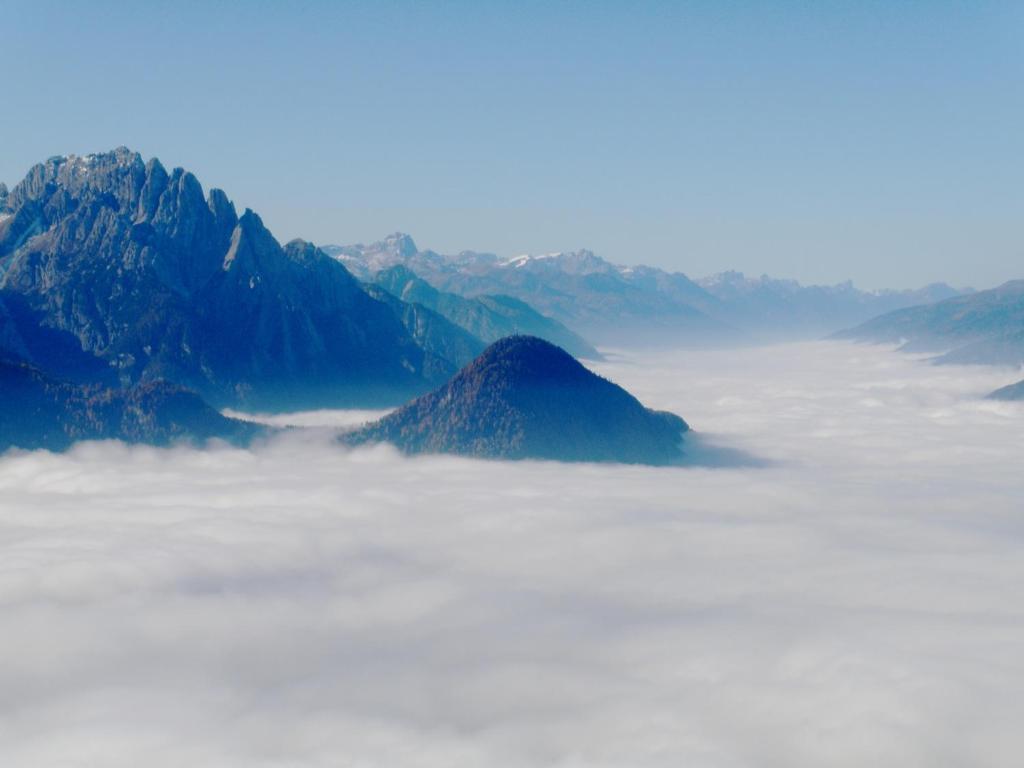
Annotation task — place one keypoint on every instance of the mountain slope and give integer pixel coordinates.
(578, 289)
(770, 308)
(39, 412)
(526, 398)
(486, 317)
(444, 342)
(1012, 392)
(640, 304)
(58, 354)
(161, 283)
(983, 327)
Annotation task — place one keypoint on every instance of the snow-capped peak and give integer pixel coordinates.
(524, 259)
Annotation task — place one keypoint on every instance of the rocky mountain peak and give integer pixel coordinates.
(151, 278)
(299, 249)
(400, 244)
(253, 248)
(114, 177)
(312, 258)
(581, 262)
(220, 205)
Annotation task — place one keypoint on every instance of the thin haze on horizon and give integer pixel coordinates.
(874, 141)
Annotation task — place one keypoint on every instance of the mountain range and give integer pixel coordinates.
(580, 290)
(774, 309)
(144, 278)
(526, 398)
(611, 304)
(488, 317)
(130, 300)
(134, 305)
(986, 327)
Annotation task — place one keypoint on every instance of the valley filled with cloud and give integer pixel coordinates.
(835, 581)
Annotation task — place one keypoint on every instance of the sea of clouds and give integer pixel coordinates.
(836, 582)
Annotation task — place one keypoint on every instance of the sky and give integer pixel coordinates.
(852, 600)
(876, 141)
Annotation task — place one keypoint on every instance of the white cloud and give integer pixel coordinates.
(352, 418)
(856, 602)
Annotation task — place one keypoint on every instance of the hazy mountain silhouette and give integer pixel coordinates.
(1012, 392)
(769, 308)
(487, 317)
(983, 327)
(578, 289)
(640, 305)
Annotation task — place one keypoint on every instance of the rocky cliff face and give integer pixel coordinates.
(159, 282)
(525, 398)
(24, 338)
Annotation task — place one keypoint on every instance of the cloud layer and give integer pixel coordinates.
(854, 602)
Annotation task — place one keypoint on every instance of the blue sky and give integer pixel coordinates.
(878, 141)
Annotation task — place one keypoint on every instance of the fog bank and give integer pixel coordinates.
(854, 601)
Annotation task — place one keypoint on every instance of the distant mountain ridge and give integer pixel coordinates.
(791, 309)
(487, 317)
(985, 327)
(525, 398)
(122, 285)
(579, 289)
(623, 304)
